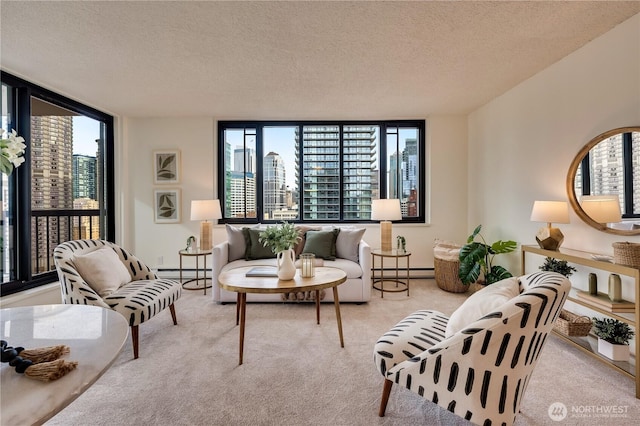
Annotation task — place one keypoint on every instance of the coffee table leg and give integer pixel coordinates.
(238, 298)
(318, 306)
(336, 302)
(243, 311)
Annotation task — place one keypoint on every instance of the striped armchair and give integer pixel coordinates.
(481, 372)
(138, 300)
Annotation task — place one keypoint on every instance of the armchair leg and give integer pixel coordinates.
(134, 340)
(386, 390)
(172, 308)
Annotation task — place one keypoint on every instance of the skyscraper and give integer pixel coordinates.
(51, 181)
(323, 173)
(274, 186)
(84, 177)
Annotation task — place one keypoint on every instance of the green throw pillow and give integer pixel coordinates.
(254, 248)
(321, 243)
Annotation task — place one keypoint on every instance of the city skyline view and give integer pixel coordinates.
(328, 171)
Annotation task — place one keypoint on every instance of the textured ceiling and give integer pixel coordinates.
(278, 60)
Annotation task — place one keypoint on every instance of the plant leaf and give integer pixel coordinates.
(498, 273)
(503, 246)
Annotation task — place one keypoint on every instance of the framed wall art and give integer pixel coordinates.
(166, 166)
(167, 204)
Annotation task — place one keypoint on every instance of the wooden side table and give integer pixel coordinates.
(401, 285)
(197, 254)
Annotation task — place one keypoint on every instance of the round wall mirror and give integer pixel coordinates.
(600, 166)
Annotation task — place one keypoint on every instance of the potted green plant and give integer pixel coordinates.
(476, 259)
(613, 338)
(559, 266)
(281, 239)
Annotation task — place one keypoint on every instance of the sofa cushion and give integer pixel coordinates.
(321, 243)
(348, 243)
(302, 231)
(481, 303)
(254, 248)
(103, 270)
(237, 246)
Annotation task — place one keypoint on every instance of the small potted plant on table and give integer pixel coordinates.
(613, 338)
(559, 266)
(281, 239)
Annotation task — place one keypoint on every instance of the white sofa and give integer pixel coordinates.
(357, 288)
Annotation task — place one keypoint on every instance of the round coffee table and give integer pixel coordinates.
(237, 280)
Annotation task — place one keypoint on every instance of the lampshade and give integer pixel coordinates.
(602, 208)
(550, 212)
(204, 210)
(386, 209)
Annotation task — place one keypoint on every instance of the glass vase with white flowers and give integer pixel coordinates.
(12, 149)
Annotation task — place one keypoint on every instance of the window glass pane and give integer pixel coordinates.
(321, 172)
(360, 174)
(7, 218)
(403, 168)
(635, 161)
(409, 179)
(240, 173)
(279, 166)
(607, 168)
(66, 185)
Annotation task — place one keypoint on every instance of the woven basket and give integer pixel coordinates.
(446, 274)
(571, 324)
(626, 253)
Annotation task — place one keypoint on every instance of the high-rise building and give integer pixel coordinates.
(274, 186)
(241, 195)
(84, 177)
(393, 174)
(51, 182)
(322, 171)
(409, 166)
(244, 160)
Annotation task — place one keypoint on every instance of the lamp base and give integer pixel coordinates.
(205, 235)
(549, 238)
(385, 235)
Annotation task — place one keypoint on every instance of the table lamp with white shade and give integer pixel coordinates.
(385, 210)
(548, 237)
(602, 208)
(205, 210)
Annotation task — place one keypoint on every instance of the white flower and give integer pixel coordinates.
(11, 151)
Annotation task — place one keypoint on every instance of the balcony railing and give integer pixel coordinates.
(52, 227)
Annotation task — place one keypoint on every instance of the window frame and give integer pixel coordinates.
(383, 125)
(23, 91)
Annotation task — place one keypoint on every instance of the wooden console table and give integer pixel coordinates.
(589, 344)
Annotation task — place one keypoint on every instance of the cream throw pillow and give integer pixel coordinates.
(481, 303)
(103, 270)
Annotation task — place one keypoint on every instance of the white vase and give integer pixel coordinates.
(286, 265)
(613, 352)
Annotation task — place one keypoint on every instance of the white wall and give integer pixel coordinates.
(195, 137)
(522, 143)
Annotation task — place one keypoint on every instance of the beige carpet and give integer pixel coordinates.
(295, 372)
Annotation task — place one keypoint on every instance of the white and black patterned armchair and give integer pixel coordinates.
(138, 300)
(481, 372)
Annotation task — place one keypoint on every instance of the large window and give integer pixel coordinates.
(64, 189)
(320, 171)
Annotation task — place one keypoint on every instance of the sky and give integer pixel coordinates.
(85, 132)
